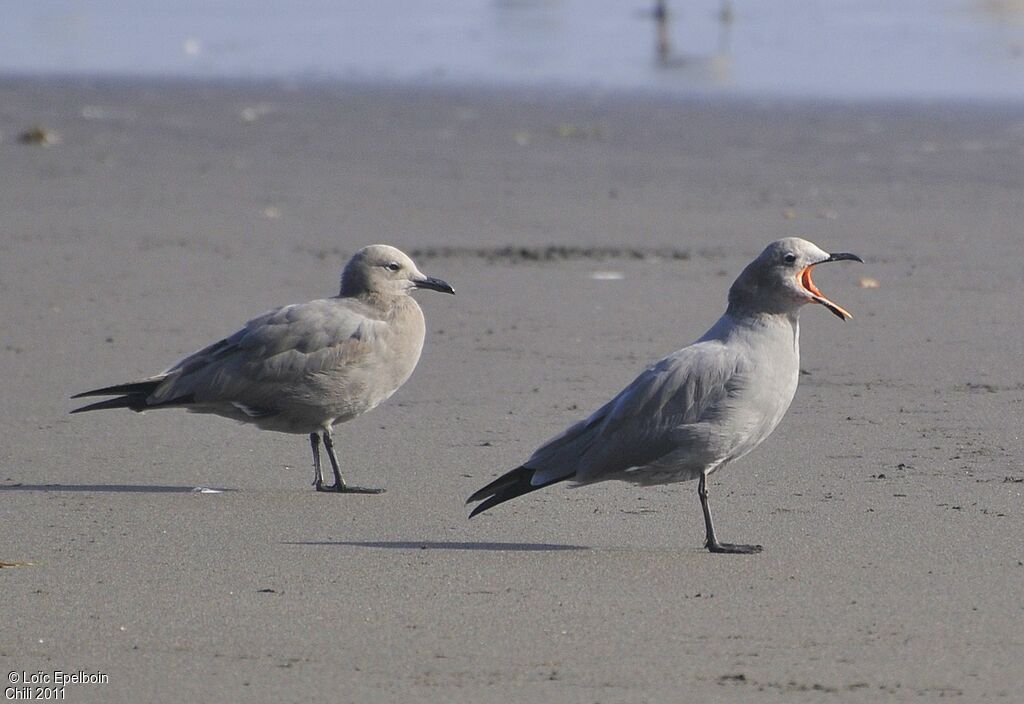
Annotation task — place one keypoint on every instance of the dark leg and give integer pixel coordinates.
(711, 542)
(339, 484)
(318, 477)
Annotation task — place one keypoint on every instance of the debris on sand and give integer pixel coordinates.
(550, 253)
(40, 136)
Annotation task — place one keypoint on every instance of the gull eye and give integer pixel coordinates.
(393, 266)
(789, 258)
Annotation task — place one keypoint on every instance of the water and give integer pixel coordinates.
(848, 49)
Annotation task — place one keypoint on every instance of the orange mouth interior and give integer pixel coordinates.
(805, 280)
(808, 283)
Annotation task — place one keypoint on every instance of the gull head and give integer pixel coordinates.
(779, 280)
(383, 269)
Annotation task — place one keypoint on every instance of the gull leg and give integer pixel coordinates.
(711, 542)
(339, 484)
(318, 477)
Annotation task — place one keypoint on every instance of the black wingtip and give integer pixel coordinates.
(506, 487)
(119, 402)
(133, 395)
(135, 387)
(491, 502)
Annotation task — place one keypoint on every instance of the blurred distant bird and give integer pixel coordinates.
(700, 408)
(305, 367)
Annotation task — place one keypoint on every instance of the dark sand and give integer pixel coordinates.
(889, 501)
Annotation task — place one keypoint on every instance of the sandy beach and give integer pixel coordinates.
(586, 234)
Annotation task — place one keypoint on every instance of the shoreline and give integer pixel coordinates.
(552, 92)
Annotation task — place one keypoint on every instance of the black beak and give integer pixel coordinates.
(843, 256)
(434, 285)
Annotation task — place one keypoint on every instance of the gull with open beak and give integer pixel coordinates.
(700, 408)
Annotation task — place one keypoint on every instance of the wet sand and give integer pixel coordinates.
(586, 235)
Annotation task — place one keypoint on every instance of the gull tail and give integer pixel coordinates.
(133, 396)
(508, 486)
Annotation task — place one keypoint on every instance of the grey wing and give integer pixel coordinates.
(276, 356)
(666, 414)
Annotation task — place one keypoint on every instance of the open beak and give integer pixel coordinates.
(434, 284)
(805, 280)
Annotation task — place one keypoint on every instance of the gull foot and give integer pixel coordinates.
(734, 549)
(346, 489)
